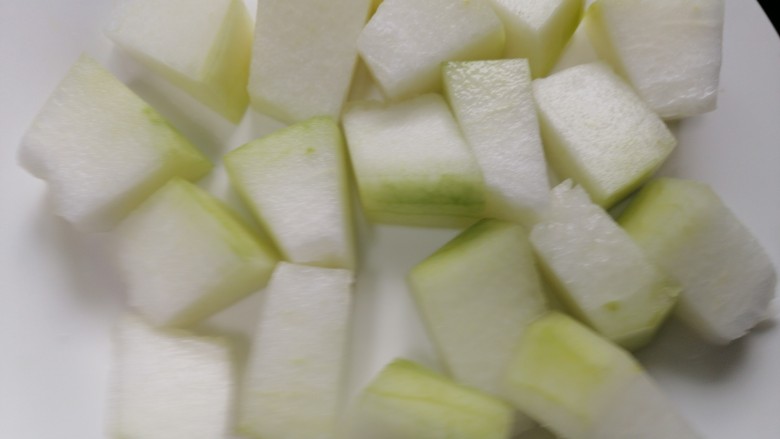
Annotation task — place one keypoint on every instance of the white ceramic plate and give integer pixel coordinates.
(58, 295)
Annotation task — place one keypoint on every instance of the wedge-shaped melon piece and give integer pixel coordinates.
(727, 278)
(407, 401)
(168, 384)
(102, 149)
(580, 386)
(296, 182)
(304, 56)
(293, 384)
(599, 271)
(494, 106)
(678, 74)
(538, 30)
(184, 256)
(406, 41)
(476, 295)
(598, 132)
(412, 164)
(201, 46)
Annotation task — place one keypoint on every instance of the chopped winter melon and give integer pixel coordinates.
(412, 164)
(102, 149)
(202, 46)
(580, 386)
(598, 132)
(727, 278)
(599, 271)
(184, 256)
(494, 105)
(297, 184)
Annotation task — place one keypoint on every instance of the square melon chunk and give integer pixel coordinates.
(294, 380)
(727, 278)
(599, 271)
(598, 132)
(494, 106)
(169, 384)
(406, 41)
(678, 74)
(102, 149)
(296, 182)
(580, 386)
(538, 30)
(304, 56)
(412, 164)
(201, 46)
(407, 401)
(184, 256)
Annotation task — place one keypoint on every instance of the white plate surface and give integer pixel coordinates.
(58, 294)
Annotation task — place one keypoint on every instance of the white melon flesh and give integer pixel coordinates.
(412, 164)
(669, 50)
(406, 41)
(494, 106)
(102, 149)
(296, 182)
(598, 132)
(476, 295)
(169, 385)
(184, 256)
(538, 30)
(407, 401)
(599, 271)
(293, 384)
(202, 46)
(727, 278)
(304, 56)
(580, 386)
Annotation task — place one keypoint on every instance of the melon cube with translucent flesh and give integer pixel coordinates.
(168, 384)
(202, 46)
(184, 256)
(102, 149)
(599, 271)
(476, 295)
(538, 30)
(678, 74)
(304, 56)
(494, 106)
(406, 41)
(412, 164)
(296, 182)
(727, 278)
(581, 386)
(294, 379)
(598, 132)
(408, 401)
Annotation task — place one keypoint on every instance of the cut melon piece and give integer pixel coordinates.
(599, 271)
(538, 30)
(294, 380)
(412, 164)
(296, 182)
(102, 149)
(598, 132)
(494, 106)
(727, 278)
(169, 385)
(678, 74)
(580, 386)
(304, 56)
(407, 401)
(406, 41)
(184, 256)
(201, 46)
